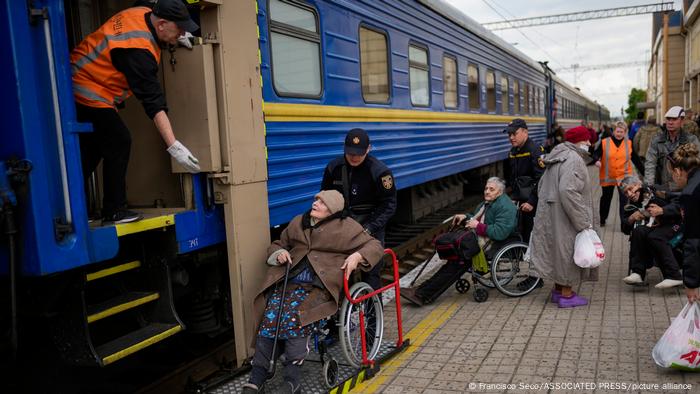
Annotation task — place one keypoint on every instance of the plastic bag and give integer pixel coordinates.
(679, 347)
(588, 249)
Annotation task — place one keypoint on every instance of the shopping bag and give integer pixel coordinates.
(588, 249)
(679, 347)
(479, 263)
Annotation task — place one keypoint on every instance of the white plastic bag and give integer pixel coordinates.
(588, 249)
(679, 347)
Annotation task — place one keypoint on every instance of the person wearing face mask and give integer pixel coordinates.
(614, 158)
(108, 70)
(650, 236)
(495, 219)
(683, 164)
(564, 208)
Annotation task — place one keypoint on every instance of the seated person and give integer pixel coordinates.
(495, 219)
(651, 222)
(319, 245)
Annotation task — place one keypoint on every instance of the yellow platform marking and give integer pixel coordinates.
(145, 225)
(141, 345)
(419, 334)
(122, 307)
(283, 112)
(112, 270)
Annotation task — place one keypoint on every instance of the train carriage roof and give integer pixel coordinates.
(460, 18)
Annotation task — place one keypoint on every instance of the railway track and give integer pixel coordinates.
(412, 244)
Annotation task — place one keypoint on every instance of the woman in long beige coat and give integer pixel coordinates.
(321, 245)
(564, 208)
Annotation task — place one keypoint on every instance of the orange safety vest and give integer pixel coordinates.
(616, 162)
(96, 83)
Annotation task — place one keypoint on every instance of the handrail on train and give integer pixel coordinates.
(395, 285)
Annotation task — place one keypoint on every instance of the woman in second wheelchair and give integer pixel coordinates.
(494, 221)
(311, 256)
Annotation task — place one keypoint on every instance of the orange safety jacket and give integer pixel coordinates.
(96, 83)
(616, 162)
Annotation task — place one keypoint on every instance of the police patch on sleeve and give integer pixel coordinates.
(387, 182)
(540, 162)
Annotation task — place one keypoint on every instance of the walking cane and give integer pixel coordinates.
(273, 359)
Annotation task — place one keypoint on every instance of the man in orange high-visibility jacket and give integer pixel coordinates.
(614, 158)
(117, 60)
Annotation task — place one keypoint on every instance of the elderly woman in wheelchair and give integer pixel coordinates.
(303, 285)
(491, 228)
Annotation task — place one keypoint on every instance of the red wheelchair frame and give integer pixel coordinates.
(395, 284)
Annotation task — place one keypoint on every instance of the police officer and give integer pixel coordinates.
(524, 170)
(368, 187)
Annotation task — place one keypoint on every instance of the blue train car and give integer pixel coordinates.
(431, 86)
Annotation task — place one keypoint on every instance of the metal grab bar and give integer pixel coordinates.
(57, 118)
(396, 286)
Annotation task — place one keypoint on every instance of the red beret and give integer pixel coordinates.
(577, 134)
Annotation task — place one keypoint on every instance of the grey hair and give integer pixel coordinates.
(628, 181)
(498, 181)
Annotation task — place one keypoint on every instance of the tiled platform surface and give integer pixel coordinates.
(522, 344)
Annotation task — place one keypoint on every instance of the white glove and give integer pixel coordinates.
(184, 40)
(183, 156)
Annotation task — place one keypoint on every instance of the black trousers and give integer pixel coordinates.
(110, 142)
(649, 245)
(448, 274)
(605, 200)
(295, 351)
(373, 276)
(525, 224)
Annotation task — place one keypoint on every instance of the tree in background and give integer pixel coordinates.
(635, 96)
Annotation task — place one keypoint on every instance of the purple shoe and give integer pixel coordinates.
(556, 295)
(572, 301)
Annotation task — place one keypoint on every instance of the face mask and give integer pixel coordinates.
(583, 147)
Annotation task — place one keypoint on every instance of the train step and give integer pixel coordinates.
(135, 341)
(118, 311)
(120, 303)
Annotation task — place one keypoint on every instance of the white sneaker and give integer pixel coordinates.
(633, 279)
(668, 283)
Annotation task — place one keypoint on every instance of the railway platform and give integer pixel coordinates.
(529, 345)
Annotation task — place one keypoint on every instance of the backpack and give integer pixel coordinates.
(453, 245)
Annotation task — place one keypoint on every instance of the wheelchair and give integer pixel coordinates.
(509, 271)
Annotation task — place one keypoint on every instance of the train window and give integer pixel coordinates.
(504, 94)
(295, 44)
(526, 98)
(473, 81)
(374, 66)
(490, 91)
(419, 78)
(449, 81)
(516, 97)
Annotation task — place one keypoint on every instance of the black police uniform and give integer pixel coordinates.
(525, 169)
(370, 197)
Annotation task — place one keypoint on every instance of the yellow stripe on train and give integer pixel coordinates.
(283, 112)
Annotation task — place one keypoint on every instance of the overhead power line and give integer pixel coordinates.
(592, 67)
(580, 16)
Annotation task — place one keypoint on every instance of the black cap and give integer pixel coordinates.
(175, 11)
(356, 142)
(514, 125)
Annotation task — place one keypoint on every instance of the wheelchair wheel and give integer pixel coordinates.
(350, 339)
(481, 295)
(330, 372)
(511, 271)
(462, 285)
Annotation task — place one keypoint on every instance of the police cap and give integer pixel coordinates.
(514, 125)
(356, 142)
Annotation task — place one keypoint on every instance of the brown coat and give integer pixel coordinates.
(326, 246)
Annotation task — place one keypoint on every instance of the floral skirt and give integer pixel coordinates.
(290, 326)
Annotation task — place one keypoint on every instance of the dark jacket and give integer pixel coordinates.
(690, 201)
(372, 195)
(326, 246)
(525, 169)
